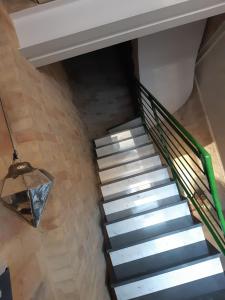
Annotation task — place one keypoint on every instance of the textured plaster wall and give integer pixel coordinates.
(17, 5)
(210, 78)
(62, 259)
(210, 73)
(192, 116)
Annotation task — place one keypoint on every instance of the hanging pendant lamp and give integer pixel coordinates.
(25, 189)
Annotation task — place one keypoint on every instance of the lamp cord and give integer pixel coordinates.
(15, 154)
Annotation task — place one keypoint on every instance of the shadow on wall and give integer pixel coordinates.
(192, 117)
(102, 86)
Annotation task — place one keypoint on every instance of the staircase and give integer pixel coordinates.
(155, 248)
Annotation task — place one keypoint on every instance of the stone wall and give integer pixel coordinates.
(62, 259)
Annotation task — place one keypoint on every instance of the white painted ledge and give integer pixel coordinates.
(63, 29)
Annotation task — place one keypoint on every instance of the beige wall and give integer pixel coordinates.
(192, 116)
(210, 79)
(62, 259)
(17, 5)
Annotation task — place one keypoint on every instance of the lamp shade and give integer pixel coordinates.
(25, 190)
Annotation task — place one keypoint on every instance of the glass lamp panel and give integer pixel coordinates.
(21, 204)
(38, 198)
(26, 193)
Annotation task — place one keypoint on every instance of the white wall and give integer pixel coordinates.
(167, 62)
(65, 28)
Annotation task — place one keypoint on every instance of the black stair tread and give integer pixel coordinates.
(123, 140)
(163, 184)
(209, 288)
(120, 131)
(150, 232)
(162, 261)
(197, 224)
(213, 253)
(123, 214)
(216, 295)
(127, 192)
(149, 211)
(151, 170)
(123, 123)
(125, 150)
(129, 162)
(137, 172)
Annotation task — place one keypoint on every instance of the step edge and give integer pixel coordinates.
(124, 123)
(127, 150)
(121, 151)
(128, 162)
(130, 138)
(183, 202)
(142, 191)
(156, 237)
(119, 132)
(149, 168)
(162, 167)
(212, 256)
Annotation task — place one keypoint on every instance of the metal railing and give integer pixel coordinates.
(190, 163)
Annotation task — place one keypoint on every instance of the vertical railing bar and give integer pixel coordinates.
(173, 124)
(148, 100)
(202, 182)
(183, 148)
(195, 180)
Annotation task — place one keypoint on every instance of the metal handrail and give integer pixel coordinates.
(168, 135)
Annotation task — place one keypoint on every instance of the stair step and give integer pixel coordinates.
(156, 250)
(156, 245)
(141, 201)
(159, 253)
(119, 136)
(135, 183)
(156, 283)
(147, 219)
(128, 125)
(127, 239)
(123, 145)
(159, 262)
(131, 168)
(209, 288)
(125, 157)
(216, 286)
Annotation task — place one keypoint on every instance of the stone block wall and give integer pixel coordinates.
(62, 259)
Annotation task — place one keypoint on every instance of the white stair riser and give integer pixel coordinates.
(133, 123)
(125, 157)
(135, 183)
(130, 169)
(148, 219)
(158, 245)
(115, 137)
(170, 279)
(148, 198)
(122, 146)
